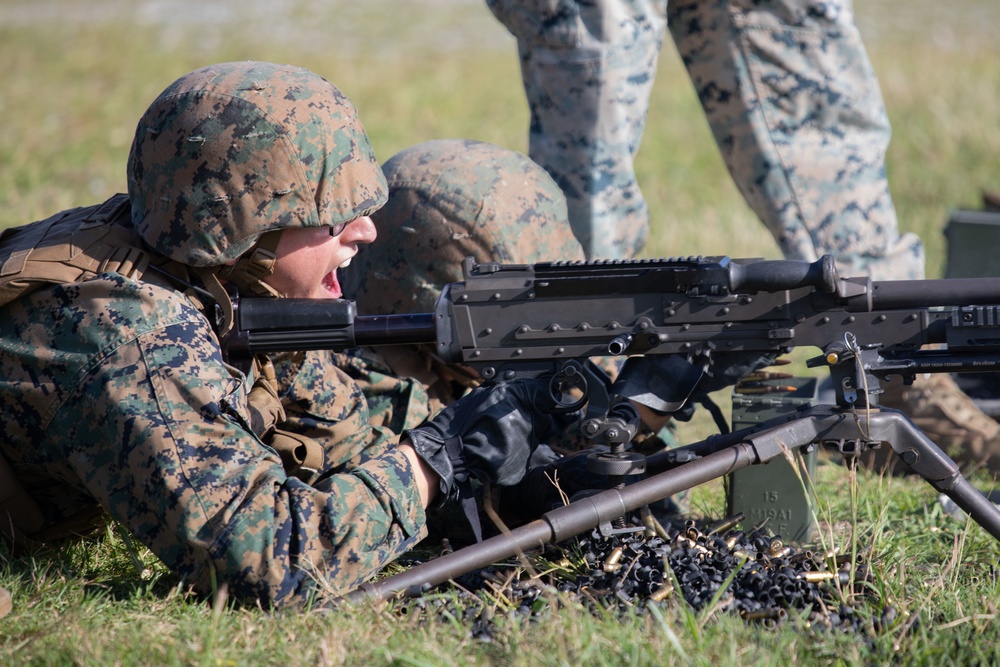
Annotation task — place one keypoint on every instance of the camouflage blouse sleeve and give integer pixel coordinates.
(394, 401)
(155, 428)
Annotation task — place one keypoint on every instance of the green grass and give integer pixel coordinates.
(88, 604)
(72, 92)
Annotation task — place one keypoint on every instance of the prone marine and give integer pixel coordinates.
(115, 397)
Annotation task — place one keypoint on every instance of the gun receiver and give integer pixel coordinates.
(509, 321)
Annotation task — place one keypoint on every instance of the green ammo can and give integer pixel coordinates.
(973, 241)
(973, 238)
(773, 491)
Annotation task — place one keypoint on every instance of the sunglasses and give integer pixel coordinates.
(338, 228)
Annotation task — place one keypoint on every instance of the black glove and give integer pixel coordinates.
(490, 433)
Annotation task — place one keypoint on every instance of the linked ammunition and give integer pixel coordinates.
(759, 376)
(754, 389)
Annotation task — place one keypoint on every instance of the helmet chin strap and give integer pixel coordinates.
(210, 279)
(247, 273)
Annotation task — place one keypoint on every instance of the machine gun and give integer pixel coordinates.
(547, 319)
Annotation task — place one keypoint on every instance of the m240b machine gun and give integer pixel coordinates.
(548, 319)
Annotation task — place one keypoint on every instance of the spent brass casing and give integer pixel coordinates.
(688, 543)
(780, 553)
(647, 522)
(845, 559)
(816, 577)
(611, 562)
(725, 524)
(662, 593)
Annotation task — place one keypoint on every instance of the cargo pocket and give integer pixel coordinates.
(810, 76)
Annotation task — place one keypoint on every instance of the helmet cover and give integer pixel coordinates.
(234, 150)
(450, 199)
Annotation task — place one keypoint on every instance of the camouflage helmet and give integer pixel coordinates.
(234, 150)
(450, 199)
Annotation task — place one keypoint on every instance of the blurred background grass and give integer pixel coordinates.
(77, 76)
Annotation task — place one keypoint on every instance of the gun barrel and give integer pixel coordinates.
(372, 330)
(891, 294)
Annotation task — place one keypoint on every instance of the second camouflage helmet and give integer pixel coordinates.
(234, 150)
(450, 199)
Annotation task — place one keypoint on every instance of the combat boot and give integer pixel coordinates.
(949, 418)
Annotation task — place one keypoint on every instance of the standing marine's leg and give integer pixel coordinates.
(796, 110)
(798, 115)
(588, 69)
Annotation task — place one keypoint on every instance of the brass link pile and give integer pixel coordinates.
(753, 574)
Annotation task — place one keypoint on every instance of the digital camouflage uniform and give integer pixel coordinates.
(113, 389)
(788, 91)
(448, 200)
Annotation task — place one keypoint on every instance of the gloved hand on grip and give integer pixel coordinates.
(489, 434)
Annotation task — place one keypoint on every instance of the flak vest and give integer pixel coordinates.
(66, 248)
(70, 247)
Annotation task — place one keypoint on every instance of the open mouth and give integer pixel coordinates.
(332, 285)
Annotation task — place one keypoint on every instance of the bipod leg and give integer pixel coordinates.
(831, 424)
(927, 460)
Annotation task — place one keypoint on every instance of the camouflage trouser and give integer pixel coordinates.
(788, 91)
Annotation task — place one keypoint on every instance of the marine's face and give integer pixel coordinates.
(308, 259)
